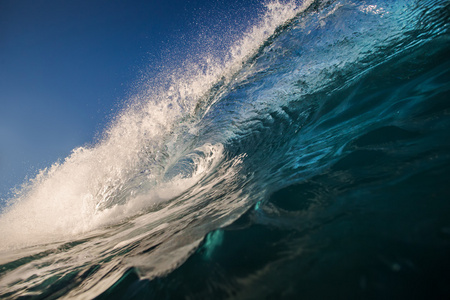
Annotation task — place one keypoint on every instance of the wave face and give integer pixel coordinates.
(311, 161)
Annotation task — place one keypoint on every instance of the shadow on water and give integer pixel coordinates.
(372, 225)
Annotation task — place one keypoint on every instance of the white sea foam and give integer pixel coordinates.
(127, 170)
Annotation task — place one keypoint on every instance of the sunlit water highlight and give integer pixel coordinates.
(317, 146)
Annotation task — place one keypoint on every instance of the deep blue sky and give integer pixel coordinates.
(65, 66)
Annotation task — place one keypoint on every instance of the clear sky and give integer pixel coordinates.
(66, 66)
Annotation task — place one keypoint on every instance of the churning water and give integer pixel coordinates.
(311, 161)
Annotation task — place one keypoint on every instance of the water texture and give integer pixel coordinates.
(311, 161)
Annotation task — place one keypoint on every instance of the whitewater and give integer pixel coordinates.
(310, 159)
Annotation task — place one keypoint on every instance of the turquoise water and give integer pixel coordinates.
(312, 162)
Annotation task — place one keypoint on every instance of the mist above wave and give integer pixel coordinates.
(146, 139)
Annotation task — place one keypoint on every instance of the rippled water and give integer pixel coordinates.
(311, 162)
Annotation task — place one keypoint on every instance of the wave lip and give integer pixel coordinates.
(294, 107)
(135, 151)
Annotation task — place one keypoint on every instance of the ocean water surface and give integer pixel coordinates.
(309, 161)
